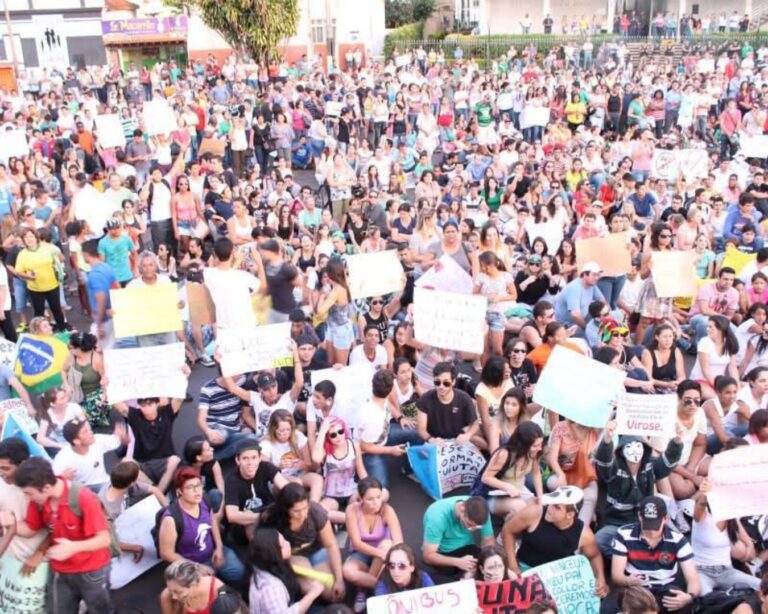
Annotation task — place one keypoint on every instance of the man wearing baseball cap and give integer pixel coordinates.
(572, 305)
(648, 553)
(551, 531)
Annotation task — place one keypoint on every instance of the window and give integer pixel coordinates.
(317, 30)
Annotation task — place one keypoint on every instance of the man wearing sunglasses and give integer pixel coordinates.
(444, 412)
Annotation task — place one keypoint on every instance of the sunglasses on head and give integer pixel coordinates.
(442, 382)
(400, 566)
(335, 434)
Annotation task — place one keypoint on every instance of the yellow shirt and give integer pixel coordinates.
(575, 112)
(39, 262)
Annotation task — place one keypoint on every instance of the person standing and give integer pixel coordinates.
(80, 553)
(118, 251)
(281, 279)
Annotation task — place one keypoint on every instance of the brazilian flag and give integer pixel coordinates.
(40, 360)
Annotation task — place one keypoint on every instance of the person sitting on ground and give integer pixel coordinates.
(401, 573)
(189, 588)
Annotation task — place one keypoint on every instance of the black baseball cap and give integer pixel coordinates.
(653, 511)
(265, 380)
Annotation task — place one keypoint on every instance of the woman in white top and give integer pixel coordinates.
(756, 352)
(426, 234)
(727, 416)
(406, 390)
(495, 381)
(716, 355)
(56, 409)
(754, 395)
(240, 225)
(714, 544)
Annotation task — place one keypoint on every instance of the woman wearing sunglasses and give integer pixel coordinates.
(401, 573)
(378, 315)
(615, 335)
(341, 461)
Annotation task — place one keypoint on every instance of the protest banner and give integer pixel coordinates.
(449, 321)
(664, 164)
(19, 593)
(353, 390)
(453, 598)
(136, 373)
(571, 583)
(17, 409)
(403, 60)
(693, 163)
(442, 469)
(110, 130)
(610, 252)
(598, 387)
(202, 310)
(217, 147)
(551, 232)
(651, 415)
(674, 274)
(134, 526)
(158, 117)
(333, 108)
(145, 310)
(511, 596)
(534, 116)
(375, 274)
(448, 276)
(738, 482)
(755, 146)
(244, 350)
(11, 428)
(13, 143)
(736, 259)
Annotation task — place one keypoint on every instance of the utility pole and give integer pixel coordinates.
(11, 40)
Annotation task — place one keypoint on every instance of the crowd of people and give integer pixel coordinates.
(272, 177)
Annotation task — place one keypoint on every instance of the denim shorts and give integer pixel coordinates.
(20, 294)
(341, 337)
(359, 556)
(318, 557)
(497, 322)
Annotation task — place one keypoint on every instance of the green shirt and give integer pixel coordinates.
(443, 528)
(483, 112)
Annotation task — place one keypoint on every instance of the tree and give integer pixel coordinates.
(256, 26)
(422, 9)
(397, 13)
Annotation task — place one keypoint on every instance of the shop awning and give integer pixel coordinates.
(136, 40)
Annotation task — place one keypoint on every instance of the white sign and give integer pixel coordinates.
(333, 108)
(738, 482)
(753, 146)
(246, 350)
(375, 274)
(458, 465)
(133, 526)
(454, 598)
(17, 409)
(110, 131)
(137, 373)
(449, 321)
(448, 276)
(551, 232)
(353, 390)
(21, 594)
(534, 116)
(158, 117)
(651, 415)
(668, 164)
(13, 143)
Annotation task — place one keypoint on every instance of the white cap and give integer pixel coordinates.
(590, 267)
(565, 495)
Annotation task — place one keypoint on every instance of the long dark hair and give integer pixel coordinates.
(265, 555)
(277, 513)
(521, 441)
(416, 578)
(730, 342)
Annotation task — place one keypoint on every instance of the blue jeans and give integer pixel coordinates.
(714, 445)
(376, 466)
(611, 288)
(699, 324)
(227, 449)
(233, 571)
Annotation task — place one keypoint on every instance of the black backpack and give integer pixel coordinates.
(178, 520)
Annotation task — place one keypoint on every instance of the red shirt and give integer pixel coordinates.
(65, 524)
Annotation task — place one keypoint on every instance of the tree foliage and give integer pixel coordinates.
(256, 26)
(423, 9)
(400, 12)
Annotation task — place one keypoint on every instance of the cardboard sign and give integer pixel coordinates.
(21, 594)
(441, 470)
(651, 415)
(534, 116)
(753, 146)
(215, 146)
(598, 386)
(136, 373)
(133, 526)
(158, 117)
(571, 583)
(449, 321)
(454, 598)
(353, 390)
(674, 273)
(146, 310)
(739, 482)
(610, 252)
(248, 350)
(376, 274)
(448, 276)
(202, 310)
(110, 130)
(13, 143)
(511, 596)
(17, 409)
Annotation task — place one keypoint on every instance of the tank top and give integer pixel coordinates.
(196, 540)
(185, 209)
(305, 263)
(666, 372)
(90, 380)
(339, 474)
(373, 538)
(338, 315)
(211, 598)
(711, 546)
(243, 231)
(729, 418)
(547, 543)
(382, 323)
(404, 397)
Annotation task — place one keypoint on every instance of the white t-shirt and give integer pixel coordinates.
(161, 202)
(231, 293)
(698, 427)
(6, 306)
(357, 357)
(262, 411)
(717, 364)
(279, 452)
(12, 499)
(374, 423)
(89, 468)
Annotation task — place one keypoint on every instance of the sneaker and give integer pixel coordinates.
(21, 328)
(359, 602)
(206, 361)
(681, 522)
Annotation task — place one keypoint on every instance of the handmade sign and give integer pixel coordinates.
(664, 165)
(7, 353)
(134, 526)
(753, 146)
(571, 583)
(511, 596)
(534, 116)
(448, 276)
(693, 163)
(246, 350)
(453, 598)
(353, 390)
(442, 469)
(202, 310)
(449, 321)
(158, 117)
(610, 252)
(146, 310)
(17, 409)
(374, 274)
(674, 274)
(598, 385)
(333, 108)
(11, 428)
(13, 143)
(19, 593)
(136, 373)
(214, 146)
(551, 232)
(738, 482)
(651, 415)
(110, 130)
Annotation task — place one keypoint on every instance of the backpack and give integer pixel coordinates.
(73, 502)
(174, 511)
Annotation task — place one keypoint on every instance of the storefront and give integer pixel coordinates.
(146, 41)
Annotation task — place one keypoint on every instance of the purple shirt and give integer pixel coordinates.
(196, 543)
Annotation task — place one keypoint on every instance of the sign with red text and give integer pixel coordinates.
(511, 596)
(571, 583)
(453, 598)
(651, 415)
(738, 482)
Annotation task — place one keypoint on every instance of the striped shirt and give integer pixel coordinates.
(222, 406)
(658, 564)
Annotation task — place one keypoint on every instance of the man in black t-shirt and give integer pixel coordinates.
(282, 278)
(445, 412)
(759, 191)
(248, 490)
